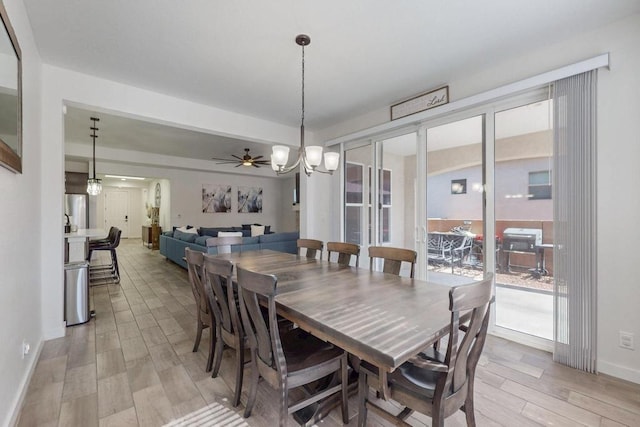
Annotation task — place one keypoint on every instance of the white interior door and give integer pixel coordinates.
(116, 211)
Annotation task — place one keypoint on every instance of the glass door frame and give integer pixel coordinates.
(488, 110)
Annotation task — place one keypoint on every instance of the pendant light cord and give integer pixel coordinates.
(303, 85)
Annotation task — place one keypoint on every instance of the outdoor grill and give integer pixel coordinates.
(521, 240)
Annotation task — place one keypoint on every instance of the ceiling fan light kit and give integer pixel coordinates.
(310, 158)
(245, 160)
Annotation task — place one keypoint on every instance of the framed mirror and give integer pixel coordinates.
(10, 97)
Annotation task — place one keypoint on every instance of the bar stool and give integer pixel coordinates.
(107, 271)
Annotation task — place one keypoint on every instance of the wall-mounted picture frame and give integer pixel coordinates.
(10, 97)
(249, 199)
(216, 198)
(458, 186)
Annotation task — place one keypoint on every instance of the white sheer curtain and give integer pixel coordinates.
(574, 194)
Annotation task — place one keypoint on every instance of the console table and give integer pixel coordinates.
(151, 236)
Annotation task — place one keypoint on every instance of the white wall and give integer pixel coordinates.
(618, 154)
(20, 212)
(66, 87)
(182, 197)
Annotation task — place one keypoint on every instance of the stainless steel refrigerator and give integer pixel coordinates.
(77, 207)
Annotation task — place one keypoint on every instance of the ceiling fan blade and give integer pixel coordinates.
(255, 165)
(239, 158)
(263, 162)
(225, 162)
(238, 165)
(258, 157)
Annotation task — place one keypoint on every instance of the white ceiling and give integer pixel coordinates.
(241, 55)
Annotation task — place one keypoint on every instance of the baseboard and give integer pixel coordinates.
(24, 386)
(622, 372)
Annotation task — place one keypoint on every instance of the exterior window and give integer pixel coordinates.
(385, 206)
(354, 193)
(539, 185)
(385, 200)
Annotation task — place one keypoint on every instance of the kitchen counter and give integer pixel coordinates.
(77, 242)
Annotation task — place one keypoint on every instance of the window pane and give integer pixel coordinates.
(386, 187)
(352, 224)
(537, 192)
(539, 178)
(386, 221)
(353, 184)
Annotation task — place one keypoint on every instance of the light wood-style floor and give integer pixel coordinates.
(133, 365)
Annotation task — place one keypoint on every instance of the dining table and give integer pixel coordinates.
(381, 318)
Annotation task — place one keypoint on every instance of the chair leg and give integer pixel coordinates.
(198, 334)
(344, 380)
(255, 377)
(114, 256)
(362, 398)
(468, 408)
(284, 401)
(212, 347)
(217, 358)
(239, 374)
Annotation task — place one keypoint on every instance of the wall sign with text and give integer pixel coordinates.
(419, 103)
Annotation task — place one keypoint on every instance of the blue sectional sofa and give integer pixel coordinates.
(173, 247)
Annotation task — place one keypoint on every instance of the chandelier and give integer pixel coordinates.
(94, 185)
(310, 158)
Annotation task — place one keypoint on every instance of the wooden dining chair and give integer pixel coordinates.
(311, 246)
(393, 258)
(204, 319)
(295, 359)
(218, 286)
(431, 383)
(345, 252)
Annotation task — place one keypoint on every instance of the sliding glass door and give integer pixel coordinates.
(524, 218)
(455, 215)
(379, 194)
(471, 193)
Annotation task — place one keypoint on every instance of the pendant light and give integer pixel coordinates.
(94, 185)
(309, 157)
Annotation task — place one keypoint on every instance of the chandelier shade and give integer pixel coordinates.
(94, 185)
(310, 158)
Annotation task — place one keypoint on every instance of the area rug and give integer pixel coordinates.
(211, 415)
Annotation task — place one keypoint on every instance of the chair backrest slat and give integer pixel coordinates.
(218, 278)
(266, 339)
(312, 247)
(345, 252)
(393, 258)
(195, 260)
(464, 357)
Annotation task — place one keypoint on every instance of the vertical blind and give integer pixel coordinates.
(574, 193)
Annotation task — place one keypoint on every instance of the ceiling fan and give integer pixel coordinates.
(245, 160)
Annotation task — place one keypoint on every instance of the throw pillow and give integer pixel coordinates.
(257, 230)
(246, 226)
(188, 229)
(184, 236)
